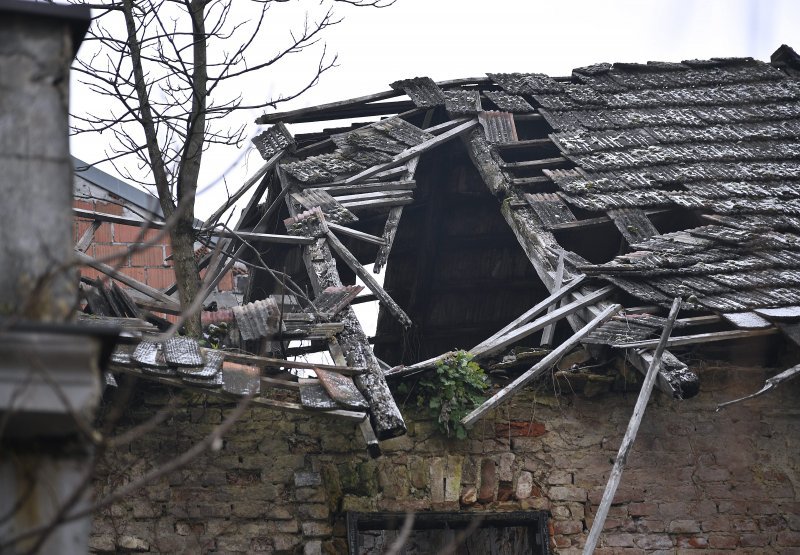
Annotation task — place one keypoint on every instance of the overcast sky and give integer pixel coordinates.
(446, 39)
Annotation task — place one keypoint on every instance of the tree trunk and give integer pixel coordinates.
(186, 273)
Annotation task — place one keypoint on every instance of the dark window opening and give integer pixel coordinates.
(512, 533)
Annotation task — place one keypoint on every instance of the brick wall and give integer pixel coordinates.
(148, 265)
(696, 480)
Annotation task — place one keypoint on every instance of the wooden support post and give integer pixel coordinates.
(87, 237)
(630, 434)
(545, 364)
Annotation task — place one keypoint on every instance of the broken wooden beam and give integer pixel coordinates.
(262, 237)
(698, 338)
(368, 280)
(281, 363)
(410, 153)
(389, 233)
(542, 366)
(549, 331)
(630, 433)
(527, 329)
(356, 234)
(127, 280)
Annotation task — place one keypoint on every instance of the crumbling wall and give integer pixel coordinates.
(280, 483)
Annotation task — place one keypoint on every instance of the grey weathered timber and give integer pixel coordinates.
(270, 362)
(117, 219)
(633, 224)
(389, 233)
(384, 415)
(291, 115)
(537, 309)
(486, 161)
(356, 234)
(412, 152)
(88, 236)
(334, 299)
(368, 280)
(129, 281)
(369, 204)
(772, 382)
(370, 187)
(542, 366)
(699, 338)
(263, 237)
(549, 331)
(525, 330)
(630, 434)
(341, 389)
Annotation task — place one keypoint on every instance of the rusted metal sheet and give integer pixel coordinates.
(498, 126)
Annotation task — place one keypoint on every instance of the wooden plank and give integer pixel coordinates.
(531, 164)
(334, 299)
(352, 416)
(410, 153)
(281, 363)
(97, 302)
(542, 366)
(372, 195)
(630, 434)
(333, 210)
(378, 203)
(129, 281)
(341, 389)
(356, 234)
(532, 327)
(279, 383)
(698, 338)
(549, 331)
(389, 233)
(373, 447)
(540, 307)
(633, 224)
(263, 237)
(87, 237)
(521, 145)
(368, 280)
(291, 116)
(370, 187)
(600, 220)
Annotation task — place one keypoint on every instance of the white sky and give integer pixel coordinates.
(446, 39)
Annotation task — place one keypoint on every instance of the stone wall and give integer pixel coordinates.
(696, 480)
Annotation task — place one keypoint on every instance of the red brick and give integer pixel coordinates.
(135, 273)
(83, 204)
(133, 234)
(105, 252)
(148, 257)
(642, 509)
(226, 283)
(684, 527)
(90, 273)
(488, 481)
(618, 540)
(108, 208)
(561, 542)
(160, 277)
(101, 235)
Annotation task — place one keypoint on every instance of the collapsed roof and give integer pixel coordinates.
(625, 186)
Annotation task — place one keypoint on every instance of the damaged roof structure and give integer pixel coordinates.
(515, 210)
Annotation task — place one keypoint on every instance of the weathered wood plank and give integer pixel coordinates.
(368, 280)
(378, 203)
(400, 185)
(88, 236)
(262, 237)
(412, 152)
(630, 434)
(542, 366)
(699, 338)
(356, 234)
(389, 233)
(270, 362)
(527, 329)
(127, 280)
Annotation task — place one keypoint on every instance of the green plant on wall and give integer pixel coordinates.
(451, 391)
